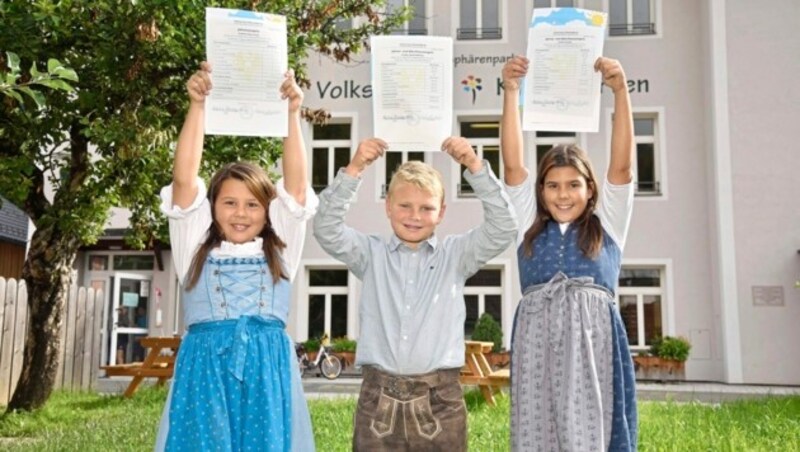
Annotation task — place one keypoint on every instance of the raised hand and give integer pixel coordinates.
(613, 75)
(290, 90)
(514, 69)
(199, 84)
(368, 151)
(462, 152)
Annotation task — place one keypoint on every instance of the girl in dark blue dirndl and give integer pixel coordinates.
(572, 380)
(235, 249)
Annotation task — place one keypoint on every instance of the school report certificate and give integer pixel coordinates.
(248, 55)
(412, 91)
(562, 89)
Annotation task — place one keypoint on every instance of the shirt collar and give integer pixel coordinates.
(395, 242)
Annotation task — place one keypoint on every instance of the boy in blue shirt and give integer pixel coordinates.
(412, 312)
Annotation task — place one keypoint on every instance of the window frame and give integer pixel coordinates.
(328, 292)
(655, 20)
(482, 291)
(665, 291)
(478, 145)
(405, 27)
(331, 146)
(502, 25)
(659, 151)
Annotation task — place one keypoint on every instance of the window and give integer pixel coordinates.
(393, 161)
(546, 140)
(645, 128)
(479, 19)
(555, 4)
(133, 262)
(418, 23)
(483, 292)
(327, 303)
(330, 150)
(631, 17)
(641, 291)
(485, 139)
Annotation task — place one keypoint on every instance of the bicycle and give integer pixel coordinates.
(329, 365)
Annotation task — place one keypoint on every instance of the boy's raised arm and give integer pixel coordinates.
(499, 227)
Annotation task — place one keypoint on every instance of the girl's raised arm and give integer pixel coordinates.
(295, 174)
(190, 142)
(514, 171)
(620, 167)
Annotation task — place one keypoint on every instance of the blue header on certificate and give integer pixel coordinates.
(567, 16)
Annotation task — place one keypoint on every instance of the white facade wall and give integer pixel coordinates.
(720, 79)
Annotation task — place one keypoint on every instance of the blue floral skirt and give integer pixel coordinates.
(236, 387)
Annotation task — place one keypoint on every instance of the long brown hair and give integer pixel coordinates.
(590, 231)
(260, 186)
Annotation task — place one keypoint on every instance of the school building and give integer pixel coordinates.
(712, 253)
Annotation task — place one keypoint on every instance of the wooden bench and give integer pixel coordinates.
(156, 364)
(478, 372)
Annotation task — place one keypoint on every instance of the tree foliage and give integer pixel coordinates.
(109, 142)
(488, 330)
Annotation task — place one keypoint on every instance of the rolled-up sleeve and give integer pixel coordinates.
(187, 227)
(289, 220)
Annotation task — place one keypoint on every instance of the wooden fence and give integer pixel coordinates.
(80, 334)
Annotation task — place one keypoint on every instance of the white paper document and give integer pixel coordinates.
(412, 91)
(562, 89)
(248, 56)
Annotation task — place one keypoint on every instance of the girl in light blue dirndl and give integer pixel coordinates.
(235, 249)
(572, 379)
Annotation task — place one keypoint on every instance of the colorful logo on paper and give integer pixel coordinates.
(472, 84)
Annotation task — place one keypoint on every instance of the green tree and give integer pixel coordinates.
(109, 143)
(488, 330)
(15, 82)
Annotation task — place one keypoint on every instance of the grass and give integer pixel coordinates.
(85, 421)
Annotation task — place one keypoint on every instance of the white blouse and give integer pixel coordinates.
(188, 228)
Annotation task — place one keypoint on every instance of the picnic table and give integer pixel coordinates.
(159, 362)
(478, 372)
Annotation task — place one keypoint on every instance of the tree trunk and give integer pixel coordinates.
(47, 274)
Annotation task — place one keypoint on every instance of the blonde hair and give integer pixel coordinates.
(420, 175)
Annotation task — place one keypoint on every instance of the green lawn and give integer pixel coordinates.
(82, 421)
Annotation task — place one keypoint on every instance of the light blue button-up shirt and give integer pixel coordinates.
(412, 308)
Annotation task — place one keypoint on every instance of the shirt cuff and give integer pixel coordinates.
(484, 180)
(345, 185)
(303, 212)
(177, 212)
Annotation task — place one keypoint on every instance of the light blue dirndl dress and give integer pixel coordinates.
(237, 384)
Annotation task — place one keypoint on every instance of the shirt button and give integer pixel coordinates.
(408, 306)
(223, 304)
(411, 281)
(263, 288)
(405, 338)
(261, 303)
(217, 289)
(216, 272)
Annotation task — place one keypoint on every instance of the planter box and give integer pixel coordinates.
(499, 360)
(348, 358)
(660, 369)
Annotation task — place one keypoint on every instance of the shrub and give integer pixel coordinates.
(311, 345)
(343, 344)
(488, 330)
(670, 347)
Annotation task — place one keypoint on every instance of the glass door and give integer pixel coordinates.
(129, 317)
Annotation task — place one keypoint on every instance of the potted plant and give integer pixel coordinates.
(665, 361)
(345, 349)
(488, 330)
(312, 347)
